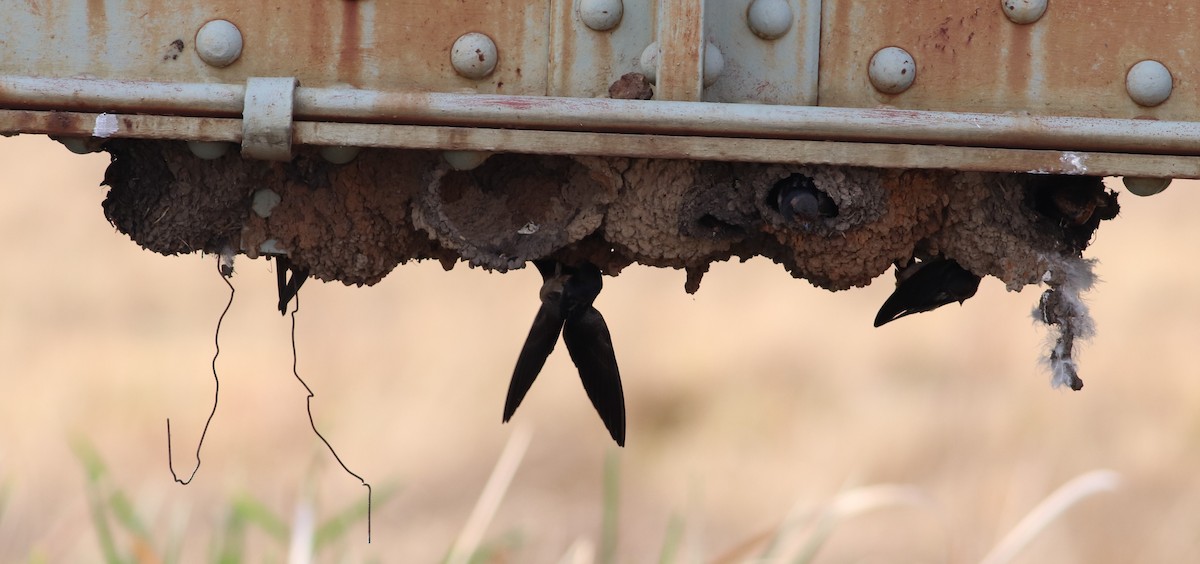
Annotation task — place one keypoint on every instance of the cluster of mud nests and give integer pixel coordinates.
(356, 222)
(837, 227)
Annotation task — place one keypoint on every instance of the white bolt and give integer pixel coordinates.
(1024, 11)
(649, 62)
(339, 154)
(219, 43)
(79, 145)
(1142, 186)
(1149, 83)
(474, 55)
(208, 150)
(769, 19)
(264, 201)
(892, 70)
(465, 160)
(714, 63)
(600, 15)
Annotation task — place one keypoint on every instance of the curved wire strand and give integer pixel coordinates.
(312, 422)
(216, 390)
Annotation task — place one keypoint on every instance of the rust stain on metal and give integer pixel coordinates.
(97, 24)
(681, 47)
(350, 54)
(971, 58)
(322, 44)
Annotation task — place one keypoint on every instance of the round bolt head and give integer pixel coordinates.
(600, 15)
(714, 63)
(1149, 83)
(649, 62)
(474, 55)
(1024, 11)
(79, 145)
(465, 160)
(1142, 186)
(208, 150)
(769, 19)
(892, 70)
(219, 43)
(339, 154)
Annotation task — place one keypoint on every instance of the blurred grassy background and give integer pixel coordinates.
(756, 396)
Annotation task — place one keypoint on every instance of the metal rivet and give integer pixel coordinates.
(339, 154)
(1023, 11)
(892, 70)
(79, 145)
(649, 62)
(474, 55)
(264, 201)
(600, 15)
(219, 43)
(1149, 83)
(208, 150)
(769, 19)
(465, 160)
(1142, 186)
(714, 63)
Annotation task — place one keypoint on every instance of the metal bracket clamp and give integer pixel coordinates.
(267, 118)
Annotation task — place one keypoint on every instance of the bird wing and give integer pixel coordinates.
(538, 346)
(932, 285)
(590, 345)
(288, 287)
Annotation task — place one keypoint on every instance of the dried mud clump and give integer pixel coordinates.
(513, 208)
(356, 222)
(344, 222)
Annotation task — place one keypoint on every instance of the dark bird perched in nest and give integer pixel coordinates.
(926, 286)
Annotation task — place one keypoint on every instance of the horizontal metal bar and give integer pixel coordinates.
(882, 155)
(125, 96)
(750, 121)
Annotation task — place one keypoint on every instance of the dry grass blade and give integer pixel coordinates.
(582, 551)
(300, 544)
(1036, 521)
(802, 534)
(489, 500)
(855, 502)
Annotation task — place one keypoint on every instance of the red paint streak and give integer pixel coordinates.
(515, 104)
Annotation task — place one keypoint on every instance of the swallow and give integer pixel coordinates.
(1077, 203)
(926, 286)
(567, 294)
(799, 200)
(288, 287)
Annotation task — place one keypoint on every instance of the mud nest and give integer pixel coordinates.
(355, 222)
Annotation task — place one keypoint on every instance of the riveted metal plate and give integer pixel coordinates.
(372, 45)
(584, 62)
(971, 58)
(764, 71)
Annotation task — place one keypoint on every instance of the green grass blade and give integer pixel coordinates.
(671, 540)
(336, 527)
(94, 470)
(609, 524)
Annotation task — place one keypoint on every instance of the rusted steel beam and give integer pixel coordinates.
(620, 116)
(882, 155)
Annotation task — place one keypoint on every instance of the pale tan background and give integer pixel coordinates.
(758, 394)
